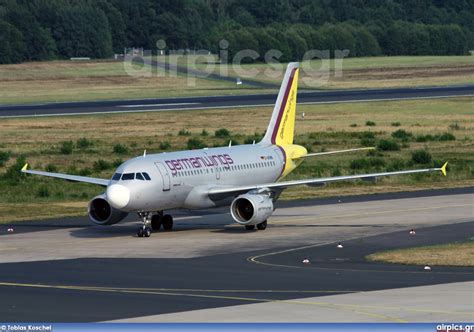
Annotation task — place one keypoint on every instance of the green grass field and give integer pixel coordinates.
(348, 63)
(367, 72)
(60, 81)
(452, 254)
(442, 127)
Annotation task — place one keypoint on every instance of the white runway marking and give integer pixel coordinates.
(158, 105)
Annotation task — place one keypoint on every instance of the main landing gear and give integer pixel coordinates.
(153, 222)
(262, 226)
(162, 220)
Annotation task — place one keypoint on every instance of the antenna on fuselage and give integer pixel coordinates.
(253, 142)
(230, 143)
(144, 153)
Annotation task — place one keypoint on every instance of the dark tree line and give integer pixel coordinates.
(52, 29)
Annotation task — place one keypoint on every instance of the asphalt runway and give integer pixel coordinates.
(198, 103)
(80, 273)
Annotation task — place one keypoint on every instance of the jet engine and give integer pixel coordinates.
(101, 213)
(251, 209)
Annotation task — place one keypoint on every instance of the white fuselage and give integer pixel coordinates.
(182, 179)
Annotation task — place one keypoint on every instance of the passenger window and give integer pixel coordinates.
(139, 176)
(128, 176)
(146, 176)
(116, 176)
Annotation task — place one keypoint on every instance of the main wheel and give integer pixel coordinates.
(250, 227)
(262, 226)
(156, 222)
(167, 222)
(140, 231)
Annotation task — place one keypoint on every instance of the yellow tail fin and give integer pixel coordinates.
(281, 129)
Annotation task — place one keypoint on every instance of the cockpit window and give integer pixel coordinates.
(116, 176)
(139, 176)
(147, 177)
(128, 176)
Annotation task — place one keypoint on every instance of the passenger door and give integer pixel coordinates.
(165, 175)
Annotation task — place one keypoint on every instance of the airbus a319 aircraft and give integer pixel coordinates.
(248, 177)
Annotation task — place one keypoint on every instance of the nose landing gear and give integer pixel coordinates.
(145, 229)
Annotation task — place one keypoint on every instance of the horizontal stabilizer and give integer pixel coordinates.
(333, 152)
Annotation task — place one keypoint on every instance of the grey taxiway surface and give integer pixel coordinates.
(210, 269)
(198, 103)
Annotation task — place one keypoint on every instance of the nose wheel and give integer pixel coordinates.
(145, 229)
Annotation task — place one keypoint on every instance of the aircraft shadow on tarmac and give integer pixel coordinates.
(240, 230)
(217, 228)
(130, 230)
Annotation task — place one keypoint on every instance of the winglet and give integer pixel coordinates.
(443, 168)
(25, 167)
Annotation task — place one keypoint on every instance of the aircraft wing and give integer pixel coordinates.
(223, 192)
(74, 178)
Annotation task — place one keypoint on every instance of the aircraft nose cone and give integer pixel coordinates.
(118, 196)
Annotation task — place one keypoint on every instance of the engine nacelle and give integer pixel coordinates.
(101, 213)
(251, 209)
